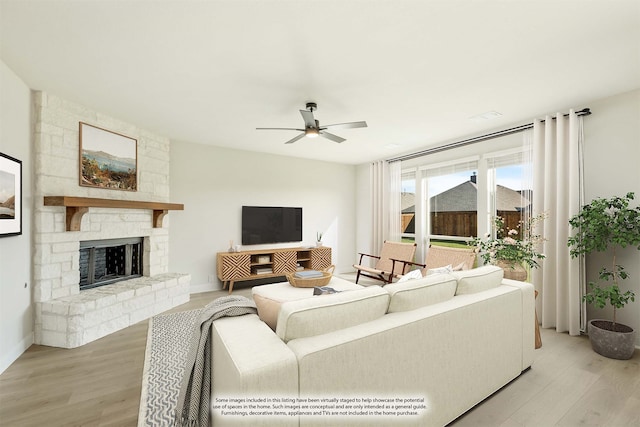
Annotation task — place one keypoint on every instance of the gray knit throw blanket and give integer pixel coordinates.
(193, 401)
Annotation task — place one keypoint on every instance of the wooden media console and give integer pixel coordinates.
(251, 265)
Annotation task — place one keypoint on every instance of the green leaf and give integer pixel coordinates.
(603, 226)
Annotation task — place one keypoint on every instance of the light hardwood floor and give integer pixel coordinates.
(99, 384)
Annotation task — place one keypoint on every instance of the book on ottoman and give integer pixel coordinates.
(307, 274)
(323, 290)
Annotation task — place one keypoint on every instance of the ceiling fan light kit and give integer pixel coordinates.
(311, 132)
(312, 127)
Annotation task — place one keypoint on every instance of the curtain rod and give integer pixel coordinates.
(583, 112)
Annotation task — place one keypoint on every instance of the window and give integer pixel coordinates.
(408, 206)
(449, 198)
(453, 205)
(451, 202)
(509, 189)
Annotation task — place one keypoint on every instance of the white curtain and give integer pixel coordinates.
(395, 201)
(557, 190)
(385, 202)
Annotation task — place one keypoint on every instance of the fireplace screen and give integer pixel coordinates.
(108, 261)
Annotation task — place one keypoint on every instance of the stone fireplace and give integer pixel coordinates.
(65, 315)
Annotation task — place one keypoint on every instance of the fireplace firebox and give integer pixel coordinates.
(107, 261)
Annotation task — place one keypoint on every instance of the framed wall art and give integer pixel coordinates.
(10, 196)
(107, 159)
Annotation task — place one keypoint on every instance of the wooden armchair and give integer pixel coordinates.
(441, 256)
(390, 263)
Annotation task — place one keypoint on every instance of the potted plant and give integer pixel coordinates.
(603, 226)
(319, 239)
(507, 251)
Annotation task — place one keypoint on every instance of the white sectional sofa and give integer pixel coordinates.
(430, 349)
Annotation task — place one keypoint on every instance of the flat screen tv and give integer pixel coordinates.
(268, 224)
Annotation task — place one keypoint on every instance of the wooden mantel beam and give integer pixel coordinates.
(77, 206)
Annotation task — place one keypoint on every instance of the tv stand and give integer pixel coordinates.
(264, 263)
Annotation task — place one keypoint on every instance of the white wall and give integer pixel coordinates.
(16, 313)
(214, 183)
(612, 155)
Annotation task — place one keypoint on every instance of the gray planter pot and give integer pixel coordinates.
(612, 344)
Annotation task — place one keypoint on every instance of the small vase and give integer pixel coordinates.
(318, 243)
(513, 270)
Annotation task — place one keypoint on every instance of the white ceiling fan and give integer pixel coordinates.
(312, 126)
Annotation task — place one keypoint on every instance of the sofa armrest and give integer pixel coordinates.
(528, 319)
(250, 360)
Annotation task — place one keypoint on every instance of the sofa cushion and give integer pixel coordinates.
(421, 292)
(326, 313)
(269, 298)
(478, 279)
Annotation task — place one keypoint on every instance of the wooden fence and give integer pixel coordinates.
(462, 224)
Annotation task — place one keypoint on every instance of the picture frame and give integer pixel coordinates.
(108, 159)
(10, 196)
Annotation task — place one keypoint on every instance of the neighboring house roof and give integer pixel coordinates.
(408, 202)
(527, 194)
(511, 200)
(463, 198)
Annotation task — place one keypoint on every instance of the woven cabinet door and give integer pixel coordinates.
(284, 262)
(236, 266)
(320, 258)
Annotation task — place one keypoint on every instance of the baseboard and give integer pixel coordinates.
(16, 352)
(204, 287)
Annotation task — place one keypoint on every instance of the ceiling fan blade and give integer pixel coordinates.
(334, 138)
(291, 141)
(349, 125)
(309, 120)
(299, 130)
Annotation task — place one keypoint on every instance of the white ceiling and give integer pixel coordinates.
(210, 72)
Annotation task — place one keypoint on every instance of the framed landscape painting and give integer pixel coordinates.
(107, 159)
(10, 196)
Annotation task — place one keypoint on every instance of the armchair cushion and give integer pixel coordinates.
(440, 256)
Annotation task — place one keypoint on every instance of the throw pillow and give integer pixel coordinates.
(440, 270)
(414, 274)
(459, 267)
